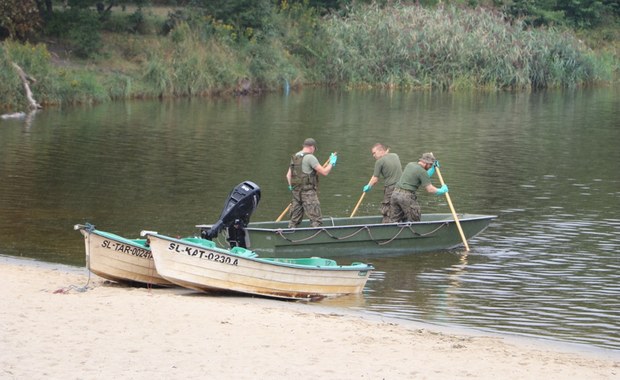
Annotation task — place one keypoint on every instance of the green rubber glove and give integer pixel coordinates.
(290, 187)
(431, 171)
(332, 159)
(367, 188)
(442, 190)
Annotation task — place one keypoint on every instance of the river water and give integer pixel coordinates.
(546, 163)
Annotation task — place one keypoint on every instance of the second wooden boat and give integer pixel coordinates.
(119, 259)
(198, 264)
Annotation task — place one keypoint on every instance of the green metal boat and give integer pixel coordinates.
(356, 236)
(363, 236)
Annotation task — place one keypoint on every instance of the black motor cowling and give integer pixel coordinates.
(241, 203)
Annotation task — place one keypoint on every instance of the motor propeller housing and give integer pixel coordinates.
(241, 203)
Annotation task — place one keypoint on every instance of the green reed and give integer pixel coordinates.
(11, 87)
(450, 48)
(403, 46)
(34, 61)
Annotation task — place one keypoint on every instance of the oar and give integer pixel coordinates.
(456, 219)
(357, 205)
(284, 212)
(289, 205)
(360, 201)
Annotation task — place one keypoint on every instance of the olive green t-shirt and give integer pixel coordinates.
(308, 162)
(413, 177)
(388, 167)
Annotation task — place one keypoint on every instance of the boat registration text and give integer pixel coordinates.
(203, 254)
(127, 249)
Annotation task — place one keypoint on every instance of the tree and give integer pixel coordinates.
(534, 12)
(241, 14)
(583, 13)
(19, 19)
(45, 7)
(579, 13)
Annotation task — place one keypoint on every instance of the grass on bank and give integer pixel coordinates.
(410, 46)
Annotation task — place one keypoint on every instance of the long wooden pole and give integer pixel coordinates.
(357, 205)
(456, 219)
(284, 212)
(289, 205)
(360, 201)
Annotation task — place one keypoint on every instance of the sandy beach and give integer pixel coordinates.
(53, 327)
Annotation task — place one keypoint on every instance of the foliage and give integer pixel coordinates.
(301, 31)
(576, 13)
(137, 22)
(584, 13)
(53, 85)
(244, 16)
(10, 90)
(412, 46)
(19, 19)
(203, 52)
(81, 27)
(34, 60)
(104, 7)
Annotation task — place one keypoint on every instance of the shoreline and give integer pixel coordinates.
(54, 328)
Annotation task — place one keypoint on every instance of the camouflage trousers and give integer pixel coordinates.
(404, 206)
(305, 201)
(385, 204)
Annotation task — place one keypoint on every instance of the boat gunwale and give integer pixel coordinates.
(338, 267)
(124, 240)
(138, 276)
(474, 217)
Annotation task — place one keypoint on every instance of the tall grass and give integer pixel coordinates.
(401, 46)
(185, 64)
(52, 84)
(35, 61)
(209, 61)
(449, 47)
(11, 92)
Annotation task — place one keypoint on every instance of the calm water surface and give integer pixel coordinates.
(547, 164)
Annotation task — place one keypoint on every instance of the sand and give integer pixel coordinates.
(53, 327)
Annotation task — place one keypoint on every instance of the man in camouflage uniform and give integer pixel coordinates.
(404, 205)
(387, 166)
(303, 181)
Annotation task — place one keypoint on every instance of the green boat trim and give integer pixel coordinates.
(314, 262)
(363, 236)
(140, 243)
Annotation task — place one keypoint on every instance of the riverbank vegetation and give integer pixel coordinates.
(84, 52)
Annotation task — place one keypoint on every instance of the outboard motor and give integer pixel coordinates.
(241, 203)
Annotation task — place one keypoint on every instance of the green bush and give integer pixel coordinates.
(35, 61)
(19, 19)
(80, 27)
(11, 93)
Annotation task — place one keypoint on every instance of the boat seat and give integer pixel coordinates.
(134, 242)
(243, 252)
(307, 261)
(200, 241)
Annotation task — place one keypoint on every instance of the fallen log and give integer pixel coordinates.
(26, 80)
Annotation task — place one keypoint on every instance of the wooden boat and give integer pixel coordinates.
(199, 264)
(362, 236)
(118, 259)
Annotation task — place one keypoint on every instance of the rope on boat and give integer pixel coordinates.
(88, 228)
(280, 232)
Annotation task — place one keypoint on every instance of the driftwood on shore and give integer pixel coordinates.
(26, 80)
(34, 105)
